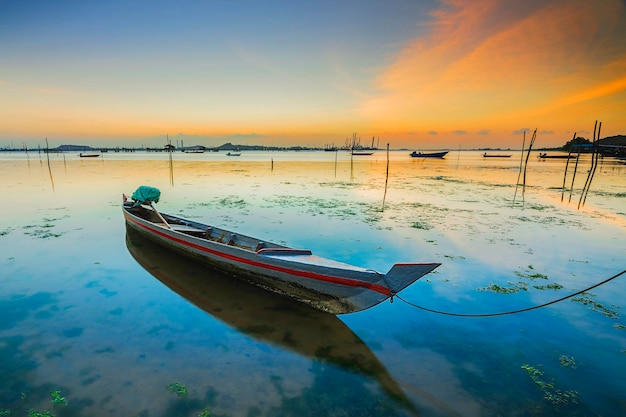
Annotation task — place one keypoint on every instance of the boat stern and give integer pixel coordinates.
(402, 275)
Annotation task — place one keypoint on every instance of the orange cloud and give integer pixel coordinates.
(491, 61)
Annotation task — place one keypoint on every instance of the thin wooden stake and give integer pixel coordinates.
(595, 128)
(571, 188)
(49, 169)
(386, 179)
(521, 163)
(169, 149)
(530, 146)
(566, 165)
(595, 156)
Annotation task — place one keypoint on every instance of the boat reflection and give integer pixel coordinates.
(263, 315)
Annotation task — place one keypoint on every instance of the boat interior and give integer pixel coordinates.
(211, 233)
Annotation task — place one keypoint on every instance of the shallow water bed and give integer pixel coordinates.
(112, 324)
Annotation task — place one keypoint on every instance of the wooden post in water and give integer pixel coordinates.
(352, 157)
(594, 164)
(571, 188)
(566, 165)
(521, 164)
(530, 146)
(170, 151)
(49, 169)
(386, 179)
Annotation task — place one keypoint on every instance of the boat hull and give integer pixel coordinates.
(327, 285)
(428, 155)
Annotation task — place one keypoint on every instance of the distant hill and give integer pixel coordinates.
(618, 140)
(73, 148)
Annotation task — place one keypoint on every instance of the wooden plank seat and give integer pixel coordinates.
(182, 228)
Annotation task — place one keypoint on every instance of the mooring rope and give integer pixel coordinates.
(504, 313)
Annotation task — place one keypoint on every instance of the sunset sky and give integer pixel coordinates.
(417, 74)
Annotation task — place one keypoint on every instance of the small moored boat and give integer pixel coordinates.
(487, 155)
(89, 155)
(416, 154)
(327, 285)
(546, 156)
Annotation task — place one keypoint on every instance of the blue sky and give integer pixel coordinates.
(307, 72)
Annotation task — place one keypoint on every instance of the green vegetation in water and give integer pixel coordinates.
(548, 389)
(205, 413)
(529, 275)
(567, 361)
(554, 286)
(232, 202)
(504, 290)
(5, 413)
(585, 299)
(421, 226)
(42, 232)
(57, 398)
(45, 413)
(619, 326)
(179, 389)
(514, 287)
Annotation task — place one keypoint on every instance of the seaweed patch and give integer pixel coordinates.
(549, 390)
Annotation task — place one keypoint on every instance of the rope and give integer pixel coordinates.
(504, 313)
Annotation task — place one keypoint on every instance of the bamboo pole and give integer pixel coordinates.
(571, 188)
(530, 146)
(594, 157)
(49, 169)
(566, 165)
(386, 179)
(521, 163)
(593, 152)
(169, 149)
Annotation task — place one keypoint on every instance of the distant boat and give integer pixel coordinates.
(193, 150)
(89, 155)
(233, 154)
(546, 156)
(486, 155)
(362, 153)
(415, 154)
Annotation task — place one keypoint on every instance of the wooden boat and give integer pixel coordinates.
(328, 285)
(416, 154)
(233, 154)
(259, 314)
(546, 156)
(89, 155)
(362, 153)
(486, 155)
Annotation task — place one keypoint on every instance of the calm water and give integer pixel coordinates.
(112, 323)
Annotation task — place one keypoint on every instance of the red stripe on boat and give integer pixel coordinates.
(304, 274)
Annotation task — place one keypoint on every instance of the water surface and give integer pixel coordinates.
(112, 323)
